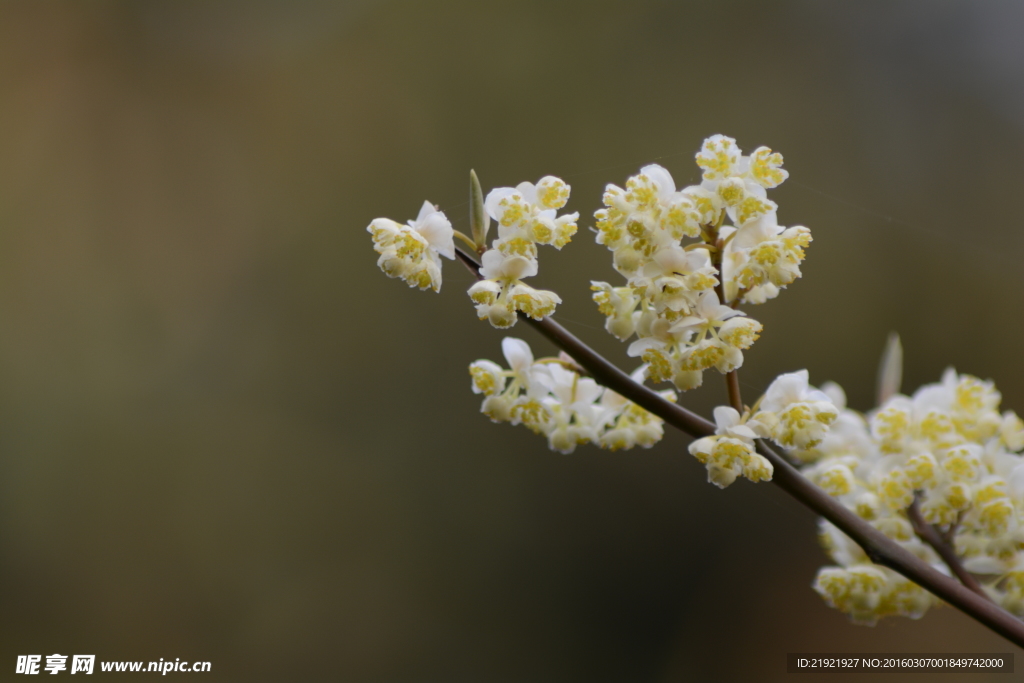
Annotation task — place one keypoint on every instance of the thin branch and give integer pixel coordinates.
(927, 533)
(732, 384)
(732, 378)
(879, 548)
(950, 533)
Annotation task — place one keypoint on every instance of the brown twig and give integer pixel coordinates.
(879, 548)
(732, 378)
(930, 535)
(950, 533)
(732, 385)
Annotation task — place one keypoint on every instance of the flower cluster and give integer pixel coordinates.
(949, 452)
(550, 398)
(790, 413)
(680, 300)
(526, 217)
(867, 591)
(412, 251)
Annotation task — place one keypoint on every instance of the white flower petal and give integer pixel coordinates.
(725, 418)
(517, 353)
(437, 230)
(662, 178)
(493, 201)
(425, 211)
(637, 348)
(528, 192)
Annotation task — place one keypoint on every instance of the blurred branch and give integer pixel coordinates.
(927, 533)
(879, 548)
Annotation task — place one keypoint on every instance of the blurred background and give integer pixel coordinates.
(226, 436)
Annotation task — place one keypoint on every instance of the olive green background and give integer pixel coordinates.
(226, 436)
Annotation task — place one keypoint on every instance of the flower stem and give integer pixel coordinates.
(732, 378)
(465, 239)
(732, 383)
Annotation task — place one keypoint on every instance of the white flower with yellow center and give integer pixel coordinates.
(796, 414)
(731, 451)
(739, 181)
(762, 257)
(713, 335)
(948, 447)
(716, 334)
(502, 293)
(868, 592)
(550, 398)
(412, 251)
(674, 278)
(648, 215)
(658, 346)
(624, 423)
(574, 409)
(526, 215)
(515, 395)
(618, 304)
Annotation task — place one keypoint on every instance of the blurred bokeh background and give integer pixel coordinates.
(226, 436)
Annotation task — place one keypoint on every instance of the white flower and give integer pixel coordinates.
(708, 315)
(619, 305)
(526, 214)
(675, 278)
(649, 214)
(762, 257)
(488, 377)
(683, 349)
(500, 266)
(867, 592)
(550, 398)
(948, 446)
(847, 436)
(574, 408)
(412, 251)
(520, 360)
(731, 451)
(765, 168)
(1011, 431)
(796, 414)
(682, 326)
(715, 334)
(719, 157)
(740, 181)
(502, 294)
(792, 387)
(626, 424)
